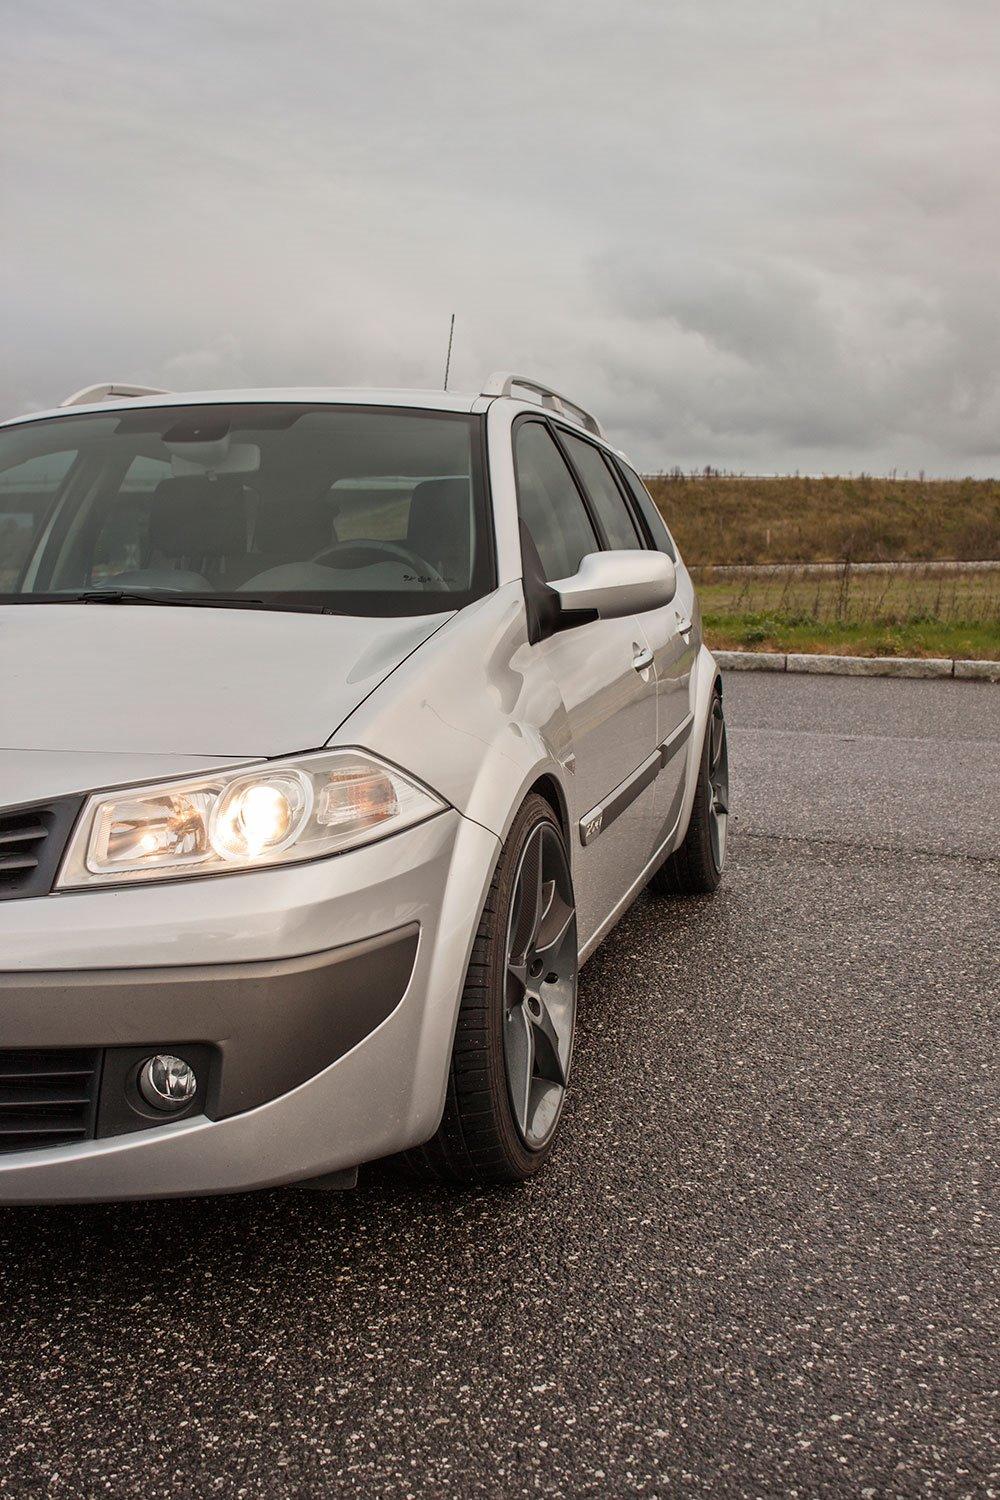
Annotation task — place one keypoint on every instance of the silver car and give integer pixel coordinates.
(338, 729)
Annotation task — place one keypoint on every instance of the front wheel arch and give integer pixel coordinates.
(481, 1138)
(547, 787)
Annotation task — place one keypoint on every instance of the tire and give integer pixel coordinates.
(695, 869)
(500, 1119)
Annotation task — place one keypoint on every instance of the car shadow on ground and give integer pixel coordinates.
(118, 1248)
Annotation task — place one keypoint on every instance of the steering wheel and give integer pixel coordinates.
(363, 554)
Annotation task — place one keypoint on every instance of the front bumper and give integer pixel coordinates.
(327, 992)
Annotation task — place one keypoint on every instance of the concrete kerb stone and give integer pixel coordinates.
(858, 666)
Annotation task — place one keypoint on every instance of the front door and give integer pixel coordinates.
(607, 688)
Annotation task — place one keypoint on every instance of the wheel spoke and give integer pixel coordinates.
(718, 840)
(718, 777)
(555, 923)
(718, 730)
(718, 821)
(527, 899)
(540, 986)
(519, 1046)
(516, 983)
(548, 1047)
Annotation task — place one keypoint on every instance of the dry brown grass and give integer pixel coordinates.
(719, 519)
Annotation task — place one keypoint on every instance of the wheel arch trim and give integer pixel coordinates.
(706, 677)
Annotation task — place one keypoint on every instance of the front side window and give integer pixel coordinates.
(604, 492)
(360, 510)
(550, 504)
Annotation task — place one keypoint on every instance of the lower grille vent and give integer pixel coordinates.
(32, 840)
(47, 1097)
(22, 835)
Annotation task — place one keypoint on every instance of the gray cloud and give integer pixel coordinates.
(760, 236)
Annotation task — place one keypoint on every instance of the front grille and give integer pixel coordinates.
(32, 840)
(48, 1097)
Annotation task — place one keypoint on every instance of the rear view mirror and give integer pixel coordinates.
(612, 584)
(218, 456)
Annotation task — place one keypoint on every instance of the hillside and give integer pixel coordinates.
(718, 519)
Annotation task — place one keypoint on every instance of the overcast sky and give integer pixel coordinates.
(761, 234)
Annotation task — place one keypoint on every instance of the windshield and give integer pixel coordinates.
(361, 510)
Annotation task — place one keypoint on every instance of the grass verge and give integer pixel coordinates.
(765, 633)
(855, 614)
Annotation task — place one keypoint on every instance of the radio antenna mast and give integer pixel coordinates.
(447, 363)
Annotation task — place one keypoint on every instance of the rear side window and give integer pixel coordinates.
(550, 503)
(649, 511)
(604, 492)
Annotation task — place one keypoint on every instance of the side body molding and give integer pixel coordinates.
(593, 823)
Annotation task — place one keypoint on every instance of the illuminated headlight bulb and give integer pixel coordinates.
(264, 816)
(260, 815)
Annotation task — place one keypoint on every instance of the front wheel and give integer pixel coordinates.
(696, 867)
(514, 1040)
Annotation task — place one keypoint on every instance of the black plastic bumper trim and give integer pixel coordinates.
(275, 1024)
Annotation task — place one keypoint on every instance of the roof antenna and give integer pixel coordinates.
(447, 363)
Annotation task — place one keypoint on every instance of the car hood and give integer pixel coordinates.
(137, 680)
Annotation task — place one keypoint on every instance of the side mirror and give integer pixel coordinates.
(612, 584)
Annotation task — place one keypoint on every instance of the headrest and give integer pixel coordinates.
(439, 527)
(294, 529)
(435, 499)
(199, 517)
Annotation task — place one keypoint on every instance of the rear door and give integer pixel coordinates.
(605, 682)
(674, 634)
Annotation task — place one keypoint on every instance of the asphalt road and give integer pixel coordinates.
(759, 1263)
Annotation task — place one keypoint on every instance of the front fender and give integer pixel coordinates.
(463, 715)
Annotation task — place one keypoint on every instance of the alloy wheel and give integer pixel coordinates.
(540, 986)
(718, 782)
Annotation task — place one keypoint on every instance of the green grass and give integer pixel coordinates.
(855, 614)
(767, 633)
(719, 520)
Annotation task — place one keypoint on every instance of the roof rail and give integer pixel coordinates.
(502, 382)
(93, 394)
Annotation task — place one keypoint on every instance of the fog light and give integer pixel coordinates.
(167, 1082)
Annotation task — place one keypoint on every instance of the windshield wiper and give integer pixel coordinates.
(143, 596)
(288, 604)
(151, 596)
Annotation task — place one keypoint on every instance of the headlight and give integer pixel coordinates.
(244, 819)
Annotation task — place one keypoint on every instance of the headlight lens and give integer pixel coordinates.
(243, 819)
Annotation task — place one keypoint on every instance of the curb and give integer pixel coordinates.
(859, 666)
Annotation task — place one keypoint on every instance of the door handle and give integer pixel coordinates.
(643, 659)
(684, 624)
